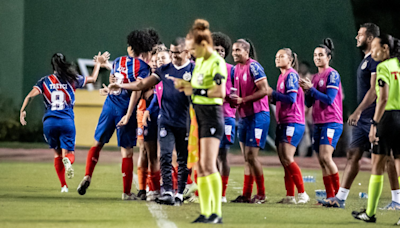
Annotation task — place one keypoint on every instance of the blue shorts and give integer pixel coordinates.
(59, 133)
(109, 118)
(229, 134)
(360, 134)
(151, 130)
(326, 134)
(291, 133)
(253, 130)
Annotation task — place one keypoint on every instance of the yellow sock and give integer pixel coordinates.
(215, 182)
(374, 193)
(204, 196)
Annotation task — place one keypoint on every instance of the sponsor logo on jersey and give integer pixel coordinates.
(200, 79)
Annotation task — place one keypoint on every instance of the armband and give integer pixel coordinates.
(381, 83)
(200, 92)
(218, 78)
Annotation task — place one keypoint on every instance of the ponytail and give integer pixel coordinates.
(64, 69)
(393, 44)
(328, 46)
(295, 62)
(249, 47)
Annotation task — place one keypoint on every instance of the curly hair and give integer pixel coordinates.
(220, 39)
(141, 41)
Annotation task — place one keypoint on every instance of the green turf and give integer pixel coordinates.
(30, 197)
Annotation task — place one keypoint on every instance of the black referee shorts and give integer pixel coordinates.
(210, 119)
(388, 131)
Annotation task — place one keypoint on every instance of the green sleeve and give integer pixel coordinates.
(221, 69)
(383, 73)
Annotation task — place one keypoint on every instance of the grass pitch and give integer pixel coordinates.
(30, 197)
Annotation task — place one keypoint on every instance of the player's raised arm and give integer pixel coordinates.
(100, 59)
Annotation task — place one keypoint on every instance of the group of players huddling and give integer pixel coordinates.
(153, 89)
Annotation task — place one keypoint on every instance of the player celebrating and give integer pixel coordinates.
(222, 44)
(324, 93)
(173, 118)
(58, 91)
(289, 99)
(118, 110)
(251, 84)
(385, 125)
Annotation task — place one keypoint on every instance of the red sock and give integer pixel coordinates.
(175, 177)
(148, 181)
(248, 185)
(224, 184)
(142, 176)
(91, 160)
(294, 169)
(59, 166)
(335, 182)
(260, 185)
(155, 180)
(196, 193)
(330, 192)
(71, 157)
(127, 174)
(289, 183)
(189, 179)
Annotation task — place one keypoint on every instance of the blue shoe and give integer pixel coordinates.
(332, 202)
(392, 206)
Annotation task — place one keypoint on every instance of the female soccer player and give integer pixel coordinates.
(324, 93)
(252, 101)
(58, 91)
(222, 44)
(118, 110)
(289, 99)
(207, 88)
(385, 125)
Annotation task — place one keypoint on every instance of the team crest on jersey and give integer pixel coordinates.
(163, 132)
(282, 85)
(200, 79)
(321, 82)
(245, 77)
(139, 131)
(212, 130)
(187, 76)
(364, 65)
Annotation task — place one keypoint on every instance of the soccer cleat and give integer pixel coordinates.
(362, 215)
(68, 167)
(82, 187)
(258, 199)
(214, 219)
(332, 202)
(152, 195)
(241, 199)
(129, 196)
(178, 202)
(223, 200)
(166, 199)
(193, 199)
(201, 219)
(288, 200)
(392, 206)
(398, 223)
(303, 198)
(141, 195)
(64, 189)
(189, 189)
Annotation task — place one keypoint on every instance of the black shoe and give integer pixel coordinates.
(166, 199)
(141, 195)
(241, 199)
(84, 185)
(214, 219)
(200, 219)
(362, 215)
(178, 202)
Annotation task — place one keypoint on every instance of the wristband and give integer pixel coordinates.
(201, 92)
(373, 122)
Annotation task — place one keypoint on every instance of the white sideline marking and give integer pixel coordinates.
(156, 210)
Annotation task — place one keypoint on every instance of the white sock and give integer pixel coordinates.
(180, 196)
(396, 195)
(342, 193)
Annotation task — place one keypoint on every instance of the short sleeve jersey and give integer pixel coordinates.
(203, 77)
(127, 69)
(364, 71)
(59, 95)
(389, 72)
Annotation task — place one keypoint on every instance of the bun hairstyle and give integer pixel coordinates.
(64, 69)
(200, 31)
(295, 62)
(392, 43)
(328, 46)
(249, 47)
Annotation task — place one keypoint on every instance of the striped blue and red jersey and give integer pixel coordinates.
(59, 95)
(127, 69)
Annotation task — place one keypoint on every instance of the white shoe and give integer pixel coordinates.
(303, 198)
(68, 168)
(152, 195)
(193, 199)
(130, 196)
(189, 189)
(64, 189)
(288, 200)
(223, 200)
